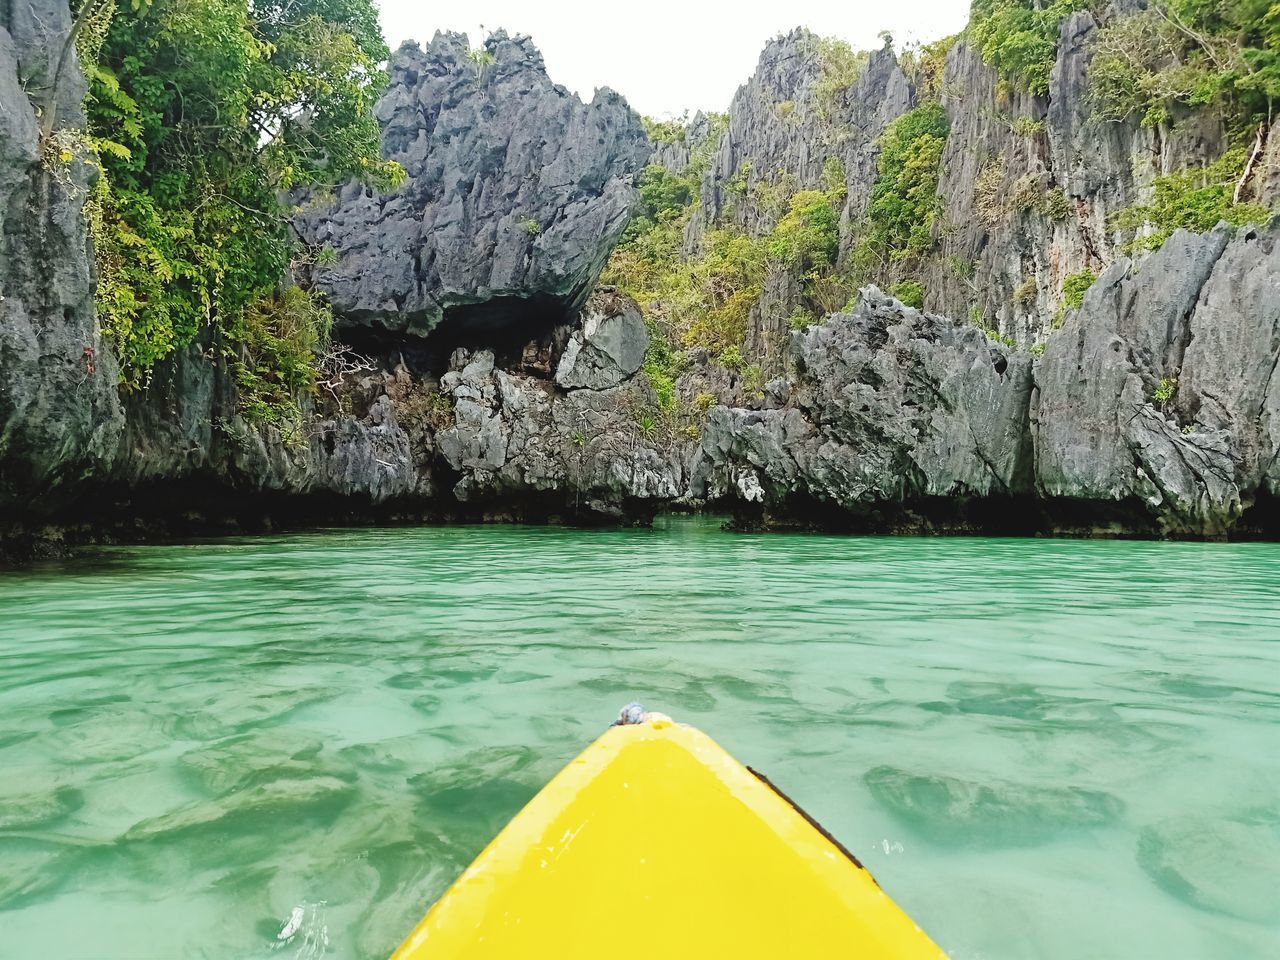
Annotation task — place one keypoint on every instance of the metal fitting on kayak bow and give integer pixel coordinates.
(630, 714)
(634, 713)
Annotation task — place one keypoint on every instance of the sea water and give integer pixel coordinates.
(288, 747)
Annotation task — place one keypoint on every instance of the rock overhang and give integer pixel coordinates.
(515, 191)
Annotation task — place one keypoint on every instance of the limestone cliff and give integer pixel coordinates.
(60, 414)
(475, 373)
(1028, 185)
(516, 193)
(1162, 389)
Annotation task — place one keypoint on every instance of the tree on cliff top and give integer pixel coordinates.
(1020, 37)
(1191, 53)
(203, 114)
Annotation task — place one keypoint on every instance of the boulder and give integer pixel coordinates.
(521, 447)
(1222, 865)
(988, 813)
(890, 405)
(608, 349)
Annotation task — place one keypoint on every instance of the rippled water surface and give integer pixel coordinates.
(288, 747)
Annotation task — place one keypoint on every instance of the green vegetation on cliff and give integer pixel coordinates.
(1020, 37)
(702, 295)
(684, 300)
(277, 340)
(665, 131)
(1195, 199)
(839, 67)
(1159, 64)
(806, 241)
(204, 114)
(705, 300)
(1075, 286)
(808, 235)
(1179, 56)
(925, 65)
(910, 292)
(1189, 53)
(904, 200)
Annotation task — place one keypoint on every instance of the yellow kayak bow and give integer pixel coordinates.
(655, 842)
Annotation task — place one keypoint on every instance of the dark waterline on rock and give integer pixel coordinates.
(1048, 749)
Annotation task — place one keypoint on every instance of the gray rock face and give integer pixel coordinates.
(59, 411)
(992, 181)
(516, 191)
(782, 126)
(185, 428)
(518, 442)
(608, 349)
(1162, 388)
(890, 406)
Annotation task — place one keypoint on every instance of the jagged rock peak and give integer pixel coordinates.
(509, 53)
(890, 406)
(516, 193)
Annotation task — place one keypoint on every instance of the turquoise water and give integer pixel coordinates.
(287, 747)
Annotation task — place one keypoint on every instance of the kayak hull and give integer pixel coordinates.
(655, 841)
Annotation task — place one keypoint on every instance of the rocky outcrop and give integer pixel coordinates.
(1007, 235)
(608, 349)
(519, 446)
(185, 430)
(891, 408)
(785, 124)
(1162, 388)
(515, 194)
(381, 439)
(1153, 410)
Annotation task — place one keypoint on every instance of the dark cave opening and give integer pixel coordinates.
(390, 348)
(505, 325)
(1261, 520)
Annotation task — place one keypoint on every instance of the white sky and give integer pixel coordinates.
(667, 56)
